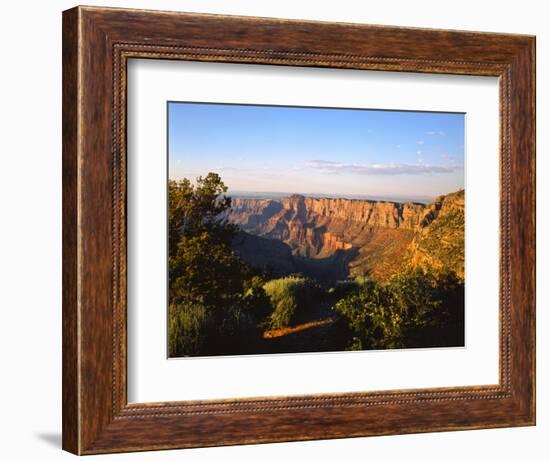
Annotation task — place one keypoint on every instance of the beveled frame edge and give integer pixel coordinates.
(97, 43)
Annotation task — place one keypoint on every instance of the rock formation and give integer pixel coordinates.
(439, 240)
(364, 237)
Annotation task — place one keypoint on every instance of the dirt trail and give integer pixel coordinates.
(318, 331)
(322, 336)
(295, 329)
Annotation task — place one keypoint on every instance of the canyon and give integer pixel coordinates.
(336, 238)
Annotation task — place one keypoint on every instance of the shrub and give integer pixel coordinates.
(290, 296)
(236, 329)
(432, 306)
(415, 308)
(255, 299)
(372, 317)
(187, 324)
(198, 330)
(343, 288)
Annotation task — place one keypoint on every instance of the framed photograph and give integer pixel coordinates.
(282, 230)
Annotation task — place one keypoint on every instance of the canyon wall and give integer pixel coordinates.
(439, 240)
(371, 238)
(316, 227)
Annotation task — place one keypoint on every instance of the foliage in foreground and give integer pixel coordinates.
(218, 305)
(215, 300)
(290, 296)
(413, 309)
(187, 327)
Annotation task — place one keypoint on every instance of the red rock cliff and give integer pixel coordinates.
(382, 236)
(317, 227)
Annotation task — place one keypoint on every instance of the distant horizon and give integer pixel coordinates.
(370, 197)
(406, 155)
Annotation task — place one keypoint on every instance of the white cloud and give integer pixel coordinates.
(435, 133)
(420, 142)
(329, 167)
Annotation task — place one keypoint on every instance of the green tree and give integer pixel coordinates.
(202, 266)
(208, 283)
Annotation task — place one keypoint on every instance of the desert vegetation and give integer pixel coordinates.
(414, 308)
(222, 302)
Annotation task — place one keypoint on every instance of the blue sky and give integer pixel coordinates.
(318, 150)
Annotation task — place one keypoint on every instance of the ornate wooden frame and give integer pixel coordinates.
(97, 43)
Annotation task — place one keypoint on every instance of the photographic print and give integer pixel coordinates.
(305, 229)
